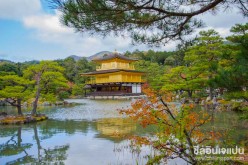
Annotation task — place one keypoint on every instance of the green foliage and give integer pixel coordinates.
(170, 61)
(15, 87)
(236, 95)
(9, 68)
(49, 81)
(52, 82)
(178, 56)
(63, 95)
(150, 55)
(201, 61)
(233, 71)
(78, 90)
(51, 97)
(73, 69)
(182, 78)
(54, 75)
(153, 72)
(151, 22)
(50, 77)
(3, 73)
(241, 107)
(43, 67)
(83, 66)
(69, 65)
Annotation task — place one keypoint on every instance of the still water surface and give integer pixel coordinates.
(83, 134)
(86, 134)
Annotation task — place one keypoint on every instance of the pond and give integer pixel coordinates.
(92, 133)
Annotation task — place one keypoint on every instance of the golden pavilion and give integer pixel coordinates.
(115, 75)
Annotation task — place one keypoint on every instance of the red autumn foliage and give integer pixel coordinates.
(178, 125)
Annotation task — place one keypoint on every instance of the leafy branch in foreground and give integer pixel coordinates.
(178, 128)
(151, 22)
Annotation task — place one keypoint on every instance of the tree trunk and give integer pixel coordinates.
(211, 93)
(190, 93)
(191, 148)
(210, 89)
(35, 105)
(19, 136)
(36, 137)
(37, 95)
(19, 106)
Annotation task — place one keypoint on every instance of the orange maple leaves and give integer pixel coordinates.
(158, 109)
(178, 124)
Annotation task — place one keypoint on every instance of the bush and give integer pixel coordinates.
(239, 95)
(64, 95)
(78, 90)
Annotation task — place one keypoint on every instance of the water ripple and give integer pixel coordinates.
(89, 110)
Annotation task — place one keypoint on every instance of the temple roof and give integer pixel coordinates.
(112, 56)
(110, 71)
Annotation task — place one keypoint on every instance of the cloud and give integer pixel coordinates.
(14, 58)
(17, 9)
(223, 19)
(47, 28)
(220, 22)
(46, 22)
(223, 32)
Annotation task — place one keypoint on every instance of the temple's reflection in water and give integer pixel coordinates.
(52, 141)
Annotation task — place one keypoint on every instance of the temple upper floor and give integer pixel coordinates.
(115, 65)
(114, 61)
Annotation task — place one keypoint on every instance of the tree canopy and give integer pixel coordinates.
(151, 22)
(48, 78)
(7, 68)
(15, 90)
(233, 70)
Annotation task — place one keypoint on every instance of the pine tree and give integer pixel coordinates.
(201, 64)
(16, 90)
(49, 79)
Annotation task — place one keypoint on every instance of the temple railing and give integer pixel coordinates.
(130, 67)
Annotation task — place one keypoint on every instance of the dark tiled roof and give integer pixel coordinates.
(113, 55)
(111, 71)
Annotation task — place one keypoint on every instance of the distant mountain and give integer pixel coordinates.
(31, 62)
(25, 62)
(2, 60)
(97, 55)
(75, 57)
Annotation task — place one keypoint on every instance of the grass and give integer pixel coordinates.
(22, 119)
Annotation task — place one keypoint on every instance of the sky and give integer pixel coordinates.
(31, 30)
